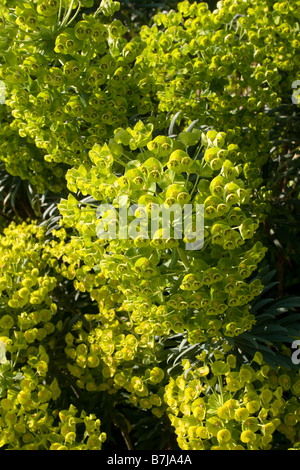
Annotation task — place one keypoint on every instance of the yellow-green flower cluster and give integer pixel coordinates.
(27, 422)
(219, 406)
(30, 362)
(86, 112)
(68, 83)
(132, 280)
(224, 67)
(212, 283)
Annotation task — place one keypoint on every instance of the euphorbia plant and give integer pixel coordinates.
(87, 110)
(70, 80)
(151, 285)
(226, 68)
(151, 288)
(31, 360)
(219, 406)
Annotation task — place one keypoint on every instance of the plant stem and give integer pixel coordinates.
(183, 258)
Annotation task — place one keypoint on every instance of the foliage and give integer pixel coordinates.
(110, 341)
(31, 329)
(281, 179)
(216, 406)
(65, 74)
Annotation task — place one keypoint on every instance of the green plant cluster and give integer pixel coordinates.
(108, 326)
(217, 406)
(29, 333)
(70, 80)
(147, 288)
(212, 293)
(224, 67)
(28, 161)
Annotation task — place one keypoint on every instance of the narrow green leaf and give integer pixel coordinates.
(172, 124)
